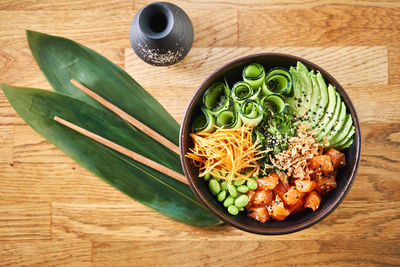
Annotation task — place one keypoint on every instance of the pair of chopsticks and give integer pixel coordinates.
(122, 114)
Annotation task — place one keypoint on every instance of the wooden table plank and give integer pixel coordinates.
(6, 144)
(357, 66)
(214, 31)
(102, 222)
(46, 253)
(274, 4)
(33, 5)
(336, 26)
(94, 31)
(65, 181)
(394, 64)
(105, 29)
(25, 221)
(231, 253)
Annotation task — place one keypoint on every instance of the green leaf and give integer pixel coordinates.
(144, 184)
(61, 59)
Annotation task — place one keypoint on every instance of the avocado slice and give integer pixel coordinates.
(315, 100)
(346, 145)
(302, 90)
(343, 131)
(323, 100)
(329, 111)
(348, 136)
(339, 123)
(332, 120)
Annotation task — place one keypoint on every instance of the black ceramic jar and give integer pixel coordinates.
(161, 34)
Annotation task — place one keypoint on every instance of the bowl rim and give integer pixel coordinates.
(271, 231)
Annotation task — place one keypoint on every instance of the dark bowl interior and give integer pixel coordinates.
(345, 177)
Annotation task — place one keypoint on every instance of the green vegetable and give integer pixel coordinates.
(300, 100)
(242, 189)
(238, 182)
(233, 210)
(241, 201)
(232, 190)
(228, 201)
(204, 122)
(221, 196)
(216, 98)
(252, 184)
(241, 91)
(278, 81)
(224, 185)
(273, 103)
(207, 176)
(251, 113)
(214, 186)
(254, 75)
(228, 119)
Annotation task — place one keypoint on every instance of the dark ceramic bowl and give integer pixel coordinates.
(345, 177)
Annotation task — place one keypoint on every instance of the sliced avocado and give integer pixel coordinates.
(302, 88)
(301, 67)
(329, 111)
(323, 100)
(315, 100)
(346, 145)
(332, 120)
(339, 122)
(343, 131)
(348, 136)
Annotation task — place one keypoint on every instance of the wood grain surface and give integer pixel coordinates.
(54, 212)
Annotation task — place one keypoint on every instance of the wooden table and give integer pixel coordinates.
(52, 211)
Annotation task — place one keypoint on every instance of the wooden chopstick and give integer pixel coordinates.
(123, 150)
(144, 128)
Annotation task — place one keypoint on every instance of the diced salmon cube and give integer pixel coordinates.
(297, 207)
(277, 209)
(280, 189)
(292, 195)
(259, 214)
(322, 162)
(250, 194)
(262, 197)
(268, 182)
(338, 159)
(304, 185)
(312, 201)
(326, 184)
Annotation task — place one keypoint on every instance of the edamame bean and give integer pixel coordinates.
(221, 196)
(214, 186)
(207, 176)
(252, 184)
(242, 189)
(241, 201)
(232, 190)
(233, 210)
(241, 209)
(228, 201)
(217, 173)
(238, 182)
(224, 185)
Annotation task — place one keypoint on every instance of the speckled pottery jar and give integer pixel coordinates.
(161, 34)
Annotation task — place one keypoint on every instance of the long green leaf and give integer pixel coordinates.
(61, 59)
(146, 185)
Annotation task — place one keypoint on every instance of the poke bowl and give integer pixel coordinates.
(277, 71)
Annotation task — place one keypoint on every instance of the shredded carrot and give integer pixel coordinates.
(228, 154)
